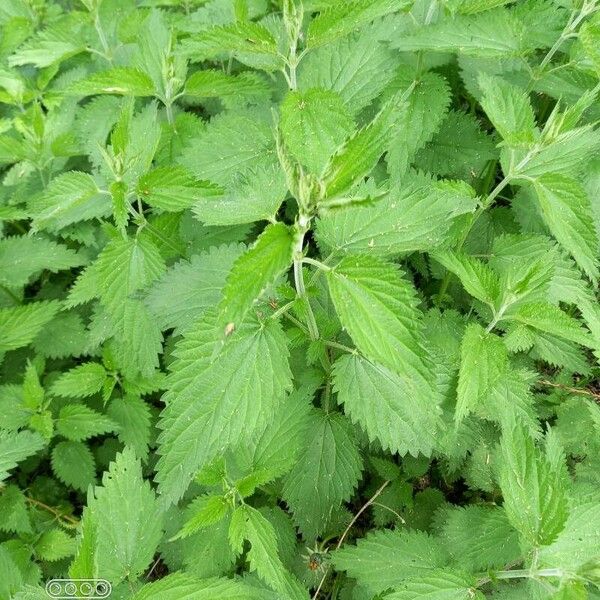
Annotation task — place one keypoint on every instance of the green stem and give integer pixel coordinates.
(326, 395)
(169, 111)
(339, 346)
(570, 31)
(293, 80)
(302, 226)
(102, 38)
(428, 19)
(483, 207)
(161, 237)
(486, 184)
(19, 227)
(283, 309)
(520, 574)
(292, 60)
(316, 263)
(317, 273)
(42, 176)
(497, 316)
(296, 322)
(10, 293)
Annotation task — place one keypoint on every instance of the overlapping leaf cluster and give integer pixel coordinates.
(300, 300)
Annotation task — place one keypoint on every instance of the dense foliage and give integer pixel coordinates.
(300, 301)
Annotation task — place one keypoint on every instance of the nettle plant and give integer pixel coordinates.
(300, 301)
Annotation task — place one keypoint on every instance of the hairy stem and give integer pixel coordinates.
(302, 227)
(497, 317)
(102, 37)
(316, 263)
(568, 32)
(338, 346)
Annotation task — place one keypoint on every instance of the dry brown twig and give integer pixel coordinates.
(364, 507)
(572, 390)
(59, 515)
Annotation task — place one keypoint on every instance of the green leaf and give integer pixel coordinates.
(12, 150)
(325, 474)
(533, 486)
(42, 423)
(551, 319)
(439, 585)
(54, 544)
(16, 446)
(578, 542)
(357, 68)
(73, 464)
(253, 195)
(199, 283)
(384, 559)
(314, 124)
(344, 17)
(11, 580)
(230, 144)
(173, 189)
(216, 84)
(160, 161)
(415, 216)
(476, 276)
(589, 35)
(567, 154)
(426, 108)
(566, 210)
(378, 307)
(492, 34)
(241, 38)
(511, 398)
(123, 267)
(401, 412)
(33, 392)
(253, 271)
(19, 325)
(120, 204)
(82, 381)
(360, 153)
(51, 45)
(182, 586)
(508, 108)
(278, 446)
(132, 416)
(483, 362)
(527, 266)
(125, 521)
(125, 81)
(77, 422)
(71, 197)
(14, 510)
(248, 524)
(154, 57)
(480, 538)
(458, 149)
(216, 401)
(469, 7)
(205, 511)
(24, 256)
(138, 339)
(136, 139)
